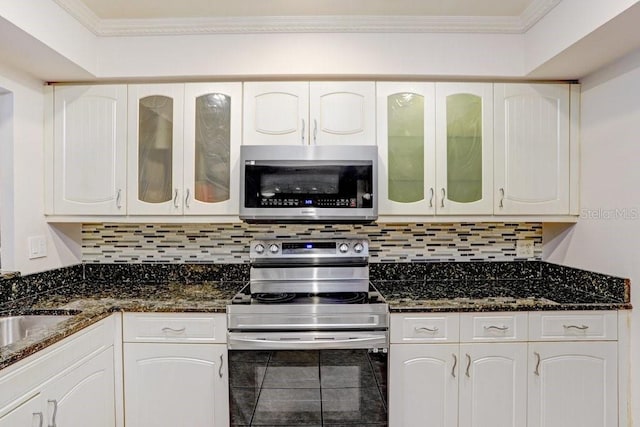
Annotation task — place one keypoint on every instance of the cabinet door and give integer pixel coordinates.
(212, 138)
(493, 385)
(27, 413)
(464, 148)
(342, 113)
(85, 396)
(155, 149)
(531, 149)
(406, 148)
(423, 384)
(168, 385)
(573, 384)
(90, 137)
(276, 113)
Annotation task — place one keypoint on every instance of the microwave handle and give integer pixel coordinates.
(302, 132)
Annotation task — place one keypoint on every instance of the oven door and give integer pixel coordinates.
(308, 184)
(308, 387)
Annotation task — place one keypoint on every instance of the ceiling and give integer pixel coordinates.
(165, 17)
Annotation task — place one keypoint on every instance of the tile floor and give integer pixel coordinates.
(308, 388)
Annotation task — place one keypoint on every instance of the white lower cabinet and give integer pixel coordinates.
(493, 385)
(573, 384)
(175, 370)
(84, 396)
(551, 369)
(423, 385)
(70, 384)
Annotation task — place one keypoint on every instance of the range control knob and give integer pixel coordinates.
(259, 248)
(273, 248)
(358, 247)
(343, 248)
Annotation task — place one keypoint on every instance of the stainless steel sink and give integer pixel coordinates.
(16, 328)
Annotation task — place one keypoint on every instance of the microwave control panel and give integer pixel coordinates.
(320, 202)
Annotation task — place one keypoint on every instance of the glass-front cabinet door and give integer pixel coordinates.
(464, 148)
(406, 147)
(155, 149)
(212, 126)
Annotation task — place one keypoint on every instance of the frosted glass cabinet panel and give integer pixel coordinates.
(212, 147)
(155, 149)
(464, 144)
(532, 148)
(89, 150)
(406, 147)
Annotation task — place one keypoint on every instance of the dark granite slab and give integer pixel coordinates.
(93, 291)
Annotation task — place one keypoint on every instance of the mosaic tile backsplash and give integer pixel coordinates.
(228, 243)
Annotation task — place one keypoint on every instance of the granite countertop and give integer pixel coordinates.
(93, 292)
(89, 303)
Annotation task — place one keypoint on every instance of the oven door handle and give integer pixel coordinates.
(310, 341)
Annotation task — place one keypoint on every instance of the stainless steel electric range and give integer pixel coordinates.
(308, 295)
(308, 337)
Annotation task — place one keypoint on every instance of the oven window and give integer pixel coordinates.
(308, 387)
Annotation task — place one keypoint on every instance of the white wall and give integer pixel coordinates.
(246, 55)
(21, 162)
(607, 237)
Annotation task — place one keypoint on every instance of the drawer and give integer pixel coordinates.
(174, 327)
(488, 327)
(573, 326)
(421, 328)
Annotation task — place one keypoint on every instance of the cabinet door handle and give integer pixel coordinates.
(468, 366)
(167, 329)
(537, 370)
(315, 132)
(175, 198)
(498, 328)
(431, 194)
(427, 329)
(580, 327)
(501, 204)
(444, 195)
(455, 363)
(38, 416)
(55, 412)
(119, 199)
(186, 198)
(220, 368)
(303, 131)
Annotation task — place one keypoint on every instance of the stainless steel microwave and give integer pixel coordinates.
(302, 184)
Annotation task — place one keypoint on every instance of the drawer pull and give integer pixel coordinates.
(220, 367)
(426, 329)
(39, 416)
(580, 328)
(167, 329)
(55, 412)
(496, 328)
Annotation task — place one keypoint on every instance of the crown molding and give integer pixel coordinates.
(307, 24)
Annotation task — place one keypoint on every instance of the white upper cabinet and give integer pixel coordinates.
(212, 115)
(282, 113)
(436, 148)
(184, 143)
(89, 150)
(406, 148)
(532, 149)
(464, 148)
(155, 149)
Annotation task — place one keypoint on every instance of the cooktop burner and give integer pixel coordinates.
(245, 296)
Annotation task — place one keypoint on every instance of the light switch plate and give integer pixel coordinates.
(524, 248)
(37, 246)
